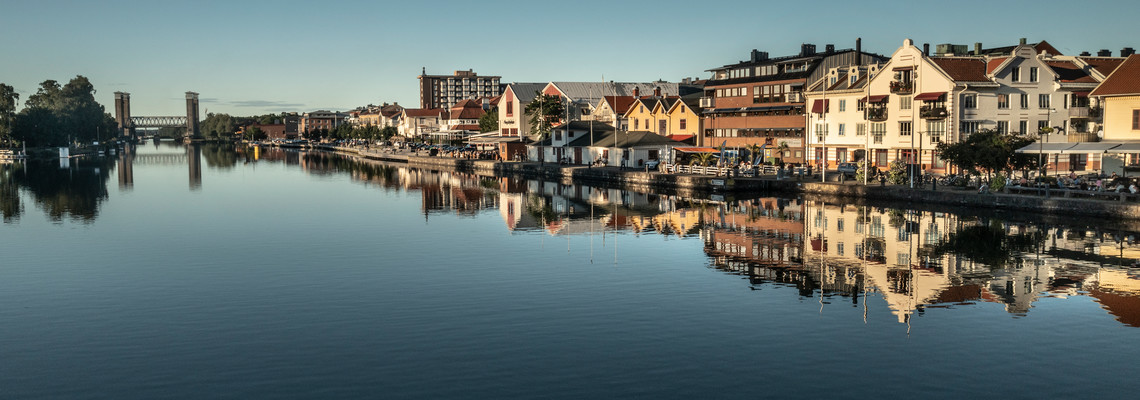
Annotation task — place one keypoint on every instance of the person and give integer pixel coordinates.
(1132, 188)
(1072, 174)
(1114, 176)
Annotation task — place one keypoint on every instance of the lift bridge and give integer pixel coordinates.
(128, 123)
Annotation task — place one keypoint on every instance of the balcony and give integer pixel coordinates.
(1078, 112)
(902, 87)
(1075, 137)
(932, 112)
(877, 114)
(795, 97)
(706, 102)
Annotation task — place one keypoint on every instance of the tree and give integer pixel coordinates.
(388, 132)
(754, 152)
(544, 110)
(703, 159)
(255, 133)
(988, 152)
(8, 99)
(489, 122)
(782, 149)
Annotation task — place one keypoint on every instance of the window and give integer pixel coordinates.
(839, 225)
(842, 105)
(906, 128)
(1043, 101)
(1033, 74)
(842, 129)
(1003, 101)
(935, 129)
(970, 127)
(1003, 127)
(1135, 119)
(878, 129)
(1042, 125)
(970, 101)
(905, 102)
(636, 124)
(510, 108)
(1023, 127)
(861, 129)
(820, 131)
(1024, 101)
(681, 123)
(1016, 77)
(839, 247)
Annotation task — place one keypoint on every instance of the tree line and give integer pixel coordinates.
(56, 115)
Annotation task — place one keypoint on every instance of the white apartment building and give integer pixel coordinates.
(837, 133)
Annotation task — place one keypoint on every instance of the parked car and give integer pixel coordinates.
(652, 164)
(848, 169)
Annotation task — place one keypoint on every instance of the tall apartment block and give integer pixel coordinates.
(443, 91)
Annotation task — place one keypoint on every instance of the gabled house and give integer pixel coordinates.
(837, 126)
(609, 147)
(611, 110)
(684, 118)
(417, 122)
(761, 99)
(513, 120)
(1119, 96)
(464, 116)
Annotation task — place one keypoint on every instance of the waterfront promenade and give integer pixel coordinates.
(1059, 202)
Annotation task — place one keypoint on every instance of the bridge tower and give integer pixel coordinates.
(192, 129)
(123, 114)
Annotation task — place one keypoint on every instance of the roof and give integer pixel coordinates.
(594, 91)
(1125, 80)
(585, 126)
(992, 65)
(1037, 47)
(619, 103)
(467, 109)
(1068, 71)
(625, 140)
(525, 92)
(391, 110)
(1103, 65)
(423, 112)
(963, 69)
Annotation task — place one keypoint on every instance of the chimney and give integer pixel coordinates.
(1104, 53)
(807, 49)
(978, 48)
(755, 55)
(926, 49)
(1085, 54)
(1127, 51)
(858, 51)
(686, 81)
(829, 48)
(657, 91)
(1021, 41)
(635, 91)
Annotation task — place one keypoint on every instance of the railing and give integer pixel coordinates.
(795, 97)
(902, 87)
(877, 114)
(1075, 137)
(932, 112)
(1078, 112)
(706, 102)
(877, 139)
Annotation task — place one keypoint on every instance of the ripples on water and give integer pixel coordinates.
(212, 271)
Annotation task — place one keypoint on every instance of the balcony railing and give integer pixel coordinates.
(1075, 137)
(877, 139)
(932, 112)
(1078, 112)
(902, 87)
(877, 114)
(706, 102)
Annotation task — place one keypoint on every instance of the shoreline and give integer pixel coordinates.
(713, 185)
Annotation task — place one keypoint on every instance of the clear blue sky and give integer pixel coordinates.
(252, 57)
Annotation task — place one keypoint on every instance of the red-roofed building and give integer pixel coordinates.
(416, 122)
(1120, 96)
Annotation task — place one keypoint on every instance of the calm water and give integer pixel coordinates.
(210, 272)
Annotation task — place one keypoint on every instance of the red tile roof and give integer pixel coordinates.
(1068, 71)
(620, 103)
(1125, 80)
(994, 63)
(1104, 65)
(423, 112)
(963, 69)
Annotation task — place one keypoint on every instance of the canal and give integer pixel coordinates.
(210, 271)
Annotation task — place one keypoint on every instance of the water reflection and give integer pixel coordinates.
(913, 259)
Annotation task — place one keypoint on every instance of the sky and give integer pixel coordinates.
(256, 57)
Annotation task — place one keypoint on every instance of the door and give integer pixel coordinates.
(661, 125)
(577, 155)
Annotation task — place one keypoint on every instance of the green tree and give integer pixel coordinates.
(544, 110)
(489, 122)
(782, 149)
(255, 133)
(703, 159)
(988, 152)
(388, 132)
(8, 99)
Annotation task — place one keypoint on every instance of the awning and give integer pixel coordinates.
(820, 106)
(876, 98)
(1081, 94)
(1125, 148)
(1046, 148)
(1091, 147)
(931, 96)
(696, 149)
(680, 138)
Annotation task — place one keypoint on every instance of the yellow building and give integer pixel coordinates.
(1119, 96)
(683, 119)
(639, 116)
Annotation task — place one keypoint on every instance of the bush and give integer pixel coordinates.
(896, 175)
(997, 183)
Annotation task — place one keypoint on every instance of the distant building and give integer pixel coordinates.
(442, 91)
(323, 119)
